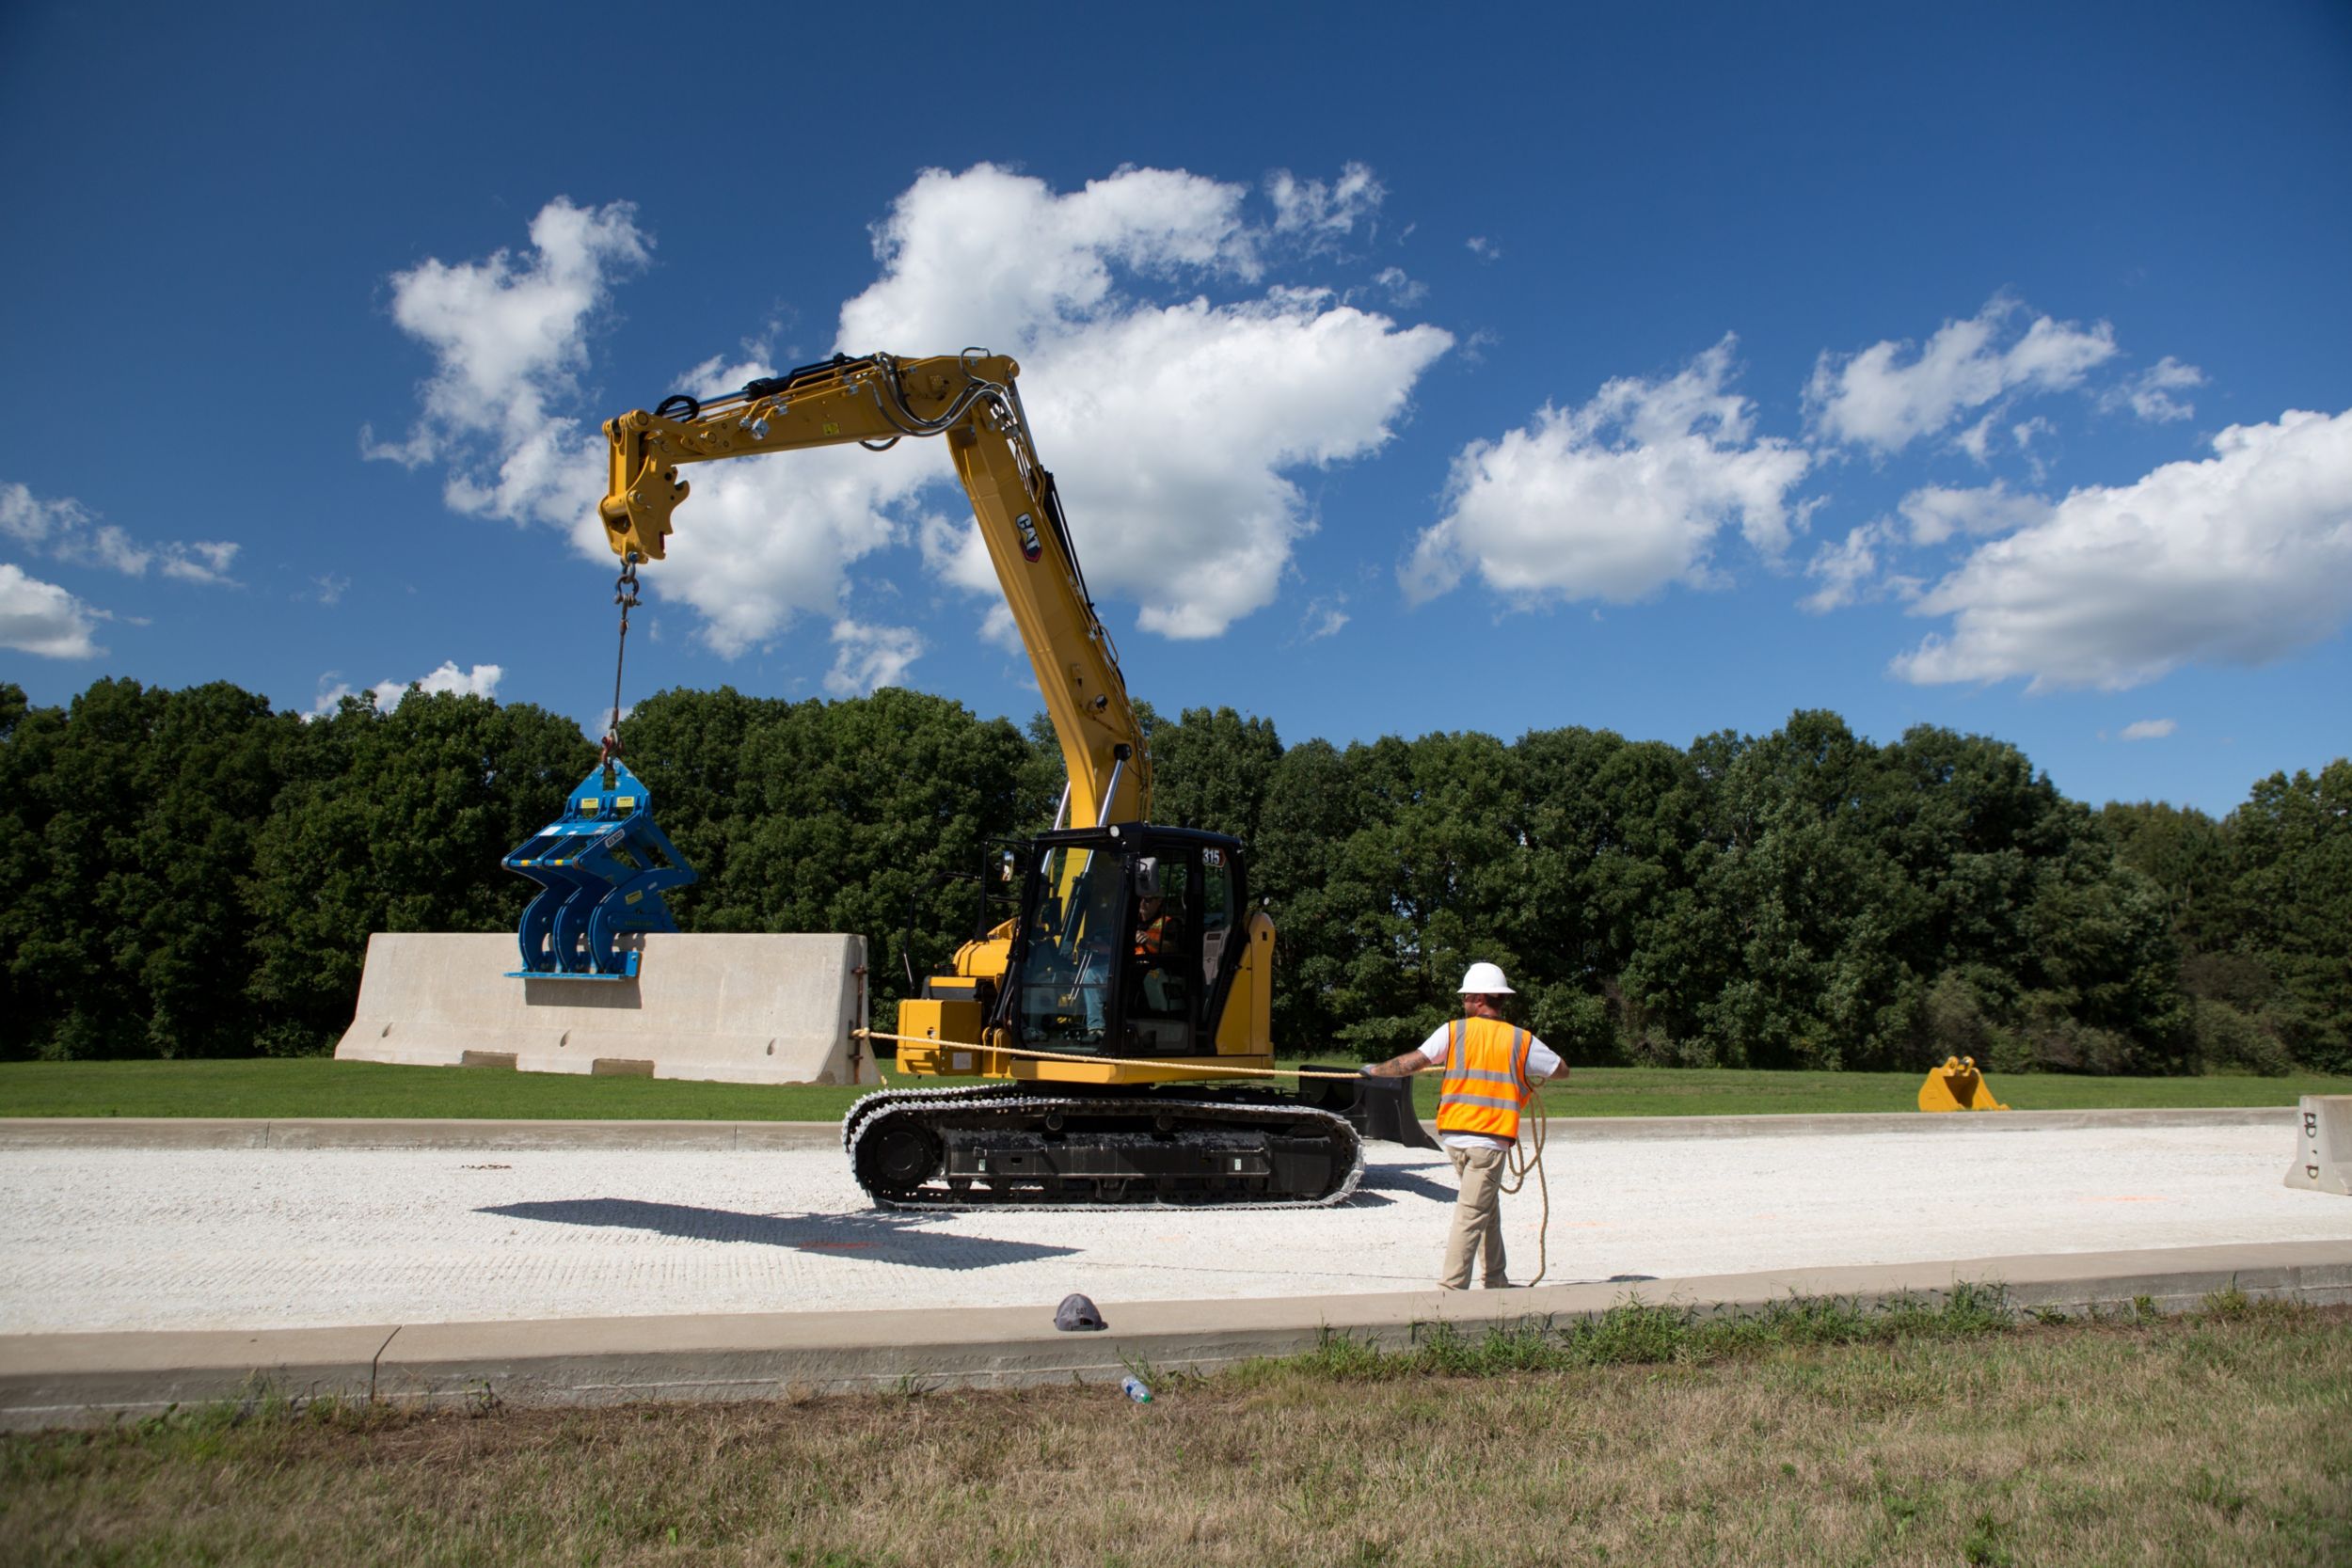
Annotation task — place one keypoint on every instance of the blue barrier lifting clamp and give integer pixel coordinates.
(601, 870)
(602, 865)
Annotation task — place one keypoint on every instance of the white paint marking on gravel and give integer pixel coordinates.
(153, 1239)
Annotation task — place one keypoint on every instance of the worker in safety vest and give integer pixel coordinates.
(1151, 927)
(1490, 1069)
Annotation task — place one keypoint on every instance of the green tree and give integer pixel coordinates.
(1321, 902)
(2295, 889)
(134, 816)
(1415, 876)
(2238, 1017)
(397, 822)
(2102, 974)
(31, 985)
(1786, 946)
(868, 816)
(687, 747)
(1214, 769)
(1966, 818)
(1609, 830)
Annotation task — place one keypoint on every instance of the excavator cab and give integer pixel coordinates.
(1124, 947)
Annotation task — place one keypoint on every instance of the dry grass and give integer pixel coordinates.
(2225, 1438)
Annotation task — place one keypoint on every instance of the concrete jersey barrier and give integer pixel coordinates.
(732, 1008)
(2322, 1145)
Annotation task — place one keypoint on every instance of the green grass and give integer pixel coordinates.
(1725, 1092)
(278, 1088)
(1812, 1434)
(1640, 1335)
(318, 1086)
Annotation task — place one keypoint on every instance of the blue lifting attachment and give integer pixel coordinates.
(601, 870)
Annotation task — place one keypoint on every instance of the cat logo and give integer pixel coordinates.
(1030, 547)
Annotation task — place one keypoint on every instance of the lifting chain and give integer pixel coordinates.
(624, 594)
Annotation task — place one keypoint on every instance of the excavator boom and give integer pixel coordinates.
(877, 400)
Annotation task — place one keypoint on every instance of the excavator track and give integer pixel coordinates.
(1007, 1147)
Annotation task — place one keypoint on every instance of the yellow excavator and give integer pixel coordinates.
(1124, 1010)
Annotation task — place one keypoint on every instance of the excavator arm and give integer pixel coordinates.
(876, 401)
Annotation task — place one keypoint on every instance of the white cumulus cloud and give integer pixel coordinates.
(481, 680)
(1935, 512)
(1401, 287)
(1324, 618)
(1311, 207)
(64, 529)
(1848, 569)
(2150, 394)
(1859, 566)
(509, 337)
(1616, 498)
(1174, 421)
(2148, 729)
(866, 657)
(767, 539)
(1887, 395)
(1001, 259)
(37, 617)
(2236, 558)
(1174, 426)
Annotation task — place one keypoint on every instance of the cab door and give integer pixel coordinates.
(1162, 993)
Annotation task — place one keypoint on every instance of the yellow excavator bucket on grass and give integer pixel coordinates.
(1957, 1086)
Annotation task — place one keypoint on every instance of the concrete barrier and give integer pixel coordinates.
(725, 1008)
(2323, 1145)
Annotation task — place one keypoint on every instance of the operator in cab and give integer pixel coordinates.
(1491, 1068)
(1154, 933)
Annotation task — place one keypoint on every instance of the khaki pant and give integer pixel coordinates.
(1477, 1217)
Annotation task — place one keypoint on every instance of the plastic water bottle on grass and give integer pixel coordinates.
(1136, 1389)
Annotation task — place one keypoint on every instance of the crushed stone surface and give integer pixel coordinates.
(162, 1239)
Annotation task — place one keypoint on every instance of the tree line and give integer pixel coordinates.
(188, 873)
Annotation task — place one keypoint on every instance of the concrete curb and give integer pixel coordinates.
(86, 1378)
(453, 1133)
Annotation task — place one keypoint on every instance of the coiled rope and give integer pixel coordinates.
(1518, 1163)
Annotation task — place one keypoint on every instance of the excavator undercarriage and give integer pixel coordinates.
(1011, 1146)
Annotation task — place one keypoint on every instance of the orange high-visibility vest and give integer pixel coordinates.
(1485, 1078)
(1150, 939)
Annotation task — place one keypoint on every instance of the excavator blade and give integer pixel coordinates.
(1380, 1109)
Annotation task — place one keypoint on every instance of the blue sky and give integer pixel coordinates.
(1662, 368)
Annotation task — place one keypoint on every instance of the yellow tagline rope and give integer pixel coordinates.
(1117, 1061)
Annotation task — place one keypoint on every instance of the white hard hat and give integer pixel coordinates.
(1485, 980)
